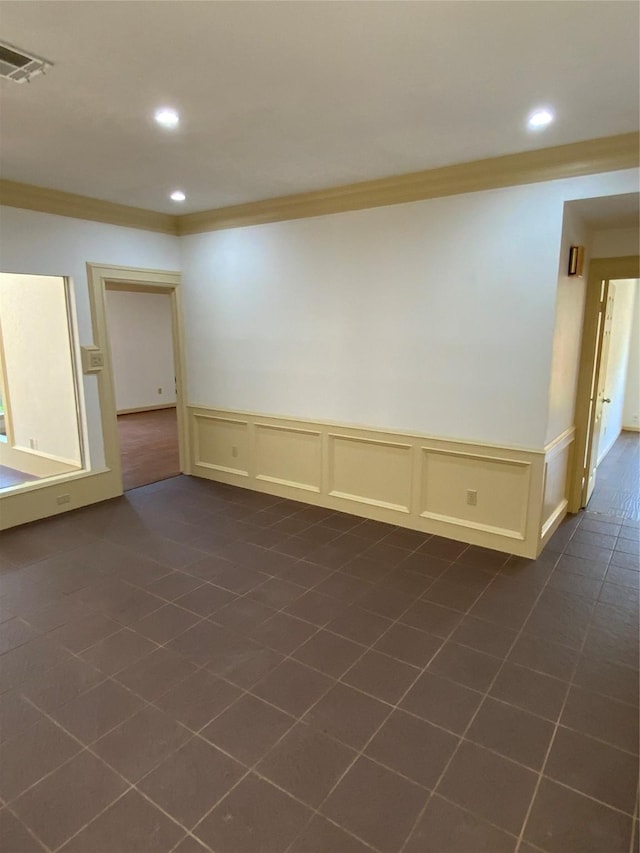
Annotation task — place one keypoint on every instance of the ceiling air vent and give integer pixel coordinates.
(19, 66)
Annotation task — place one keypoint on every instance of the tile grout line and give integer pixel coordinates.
(246, 594)
(84, 748)
(394, 707)
(471, 721)
(146, 702)
(371, 648)
(210, 616)
(110, 676)
(130, 785)
(325, 627)
(540, 774)
(301, 720)
(634, 827)
(27, 828)
(315, 811)
(366, 649)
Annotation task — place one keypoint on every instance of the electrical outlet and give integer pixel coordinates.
(234, 451)
(96, 360)
(159, 390)
(92, 359)
(33, 444)
(472, 497)
(63, 499)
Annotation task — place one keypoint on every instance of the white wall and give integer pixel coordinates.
(617, 363)
(436, 317)
(631, 408)
(615, 242)
(567, 338)
(39, 243)
(38, 365)
(140, 337)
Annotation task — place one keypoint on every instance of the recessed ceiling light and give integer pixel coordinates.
(167, 117)
(540, 118)
(177, 195)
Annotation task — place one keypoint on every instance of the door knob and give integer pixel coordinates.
(606, 399)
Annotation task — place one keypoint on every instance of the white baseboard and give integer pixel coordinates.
(146, 409)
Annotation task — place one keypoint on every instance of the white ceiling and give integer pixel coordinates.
(612, 211)
(282, 97)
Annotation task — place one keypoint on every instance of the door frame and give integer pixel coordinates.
(4, 388)
(102, 278)
(600, 269)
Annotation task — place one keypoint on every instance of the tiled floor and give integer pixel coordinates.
(196, 667)
(617, 489)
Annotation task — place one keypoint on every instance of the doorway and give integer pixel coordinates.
(611, 302)
(144, 374)
(618, 410)
(137, 323)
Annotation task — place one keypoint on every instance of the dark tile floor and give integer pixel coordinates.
(618, 481)
(194, 667)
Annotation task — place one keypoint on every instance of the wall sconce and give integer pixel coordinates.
(576, 259)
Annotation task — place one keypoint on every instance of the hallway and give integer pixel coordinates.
(216, 669)
(617, 490)
(148, 447)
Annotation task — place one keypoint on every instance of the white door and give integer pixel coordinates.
(598, 400)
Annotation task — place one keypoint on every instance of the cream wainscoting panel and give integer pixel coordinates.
(409, 480)
(370, 471)
(288, 456)
(221, 444)
(557, 465)
(500, 487)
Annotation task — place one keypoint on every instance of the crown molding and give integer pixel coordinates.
(29, 197)
(546, 164)
(607, 154)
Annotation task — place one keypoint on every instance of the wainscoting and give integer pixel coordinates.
(558, 458)
(409, 480)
